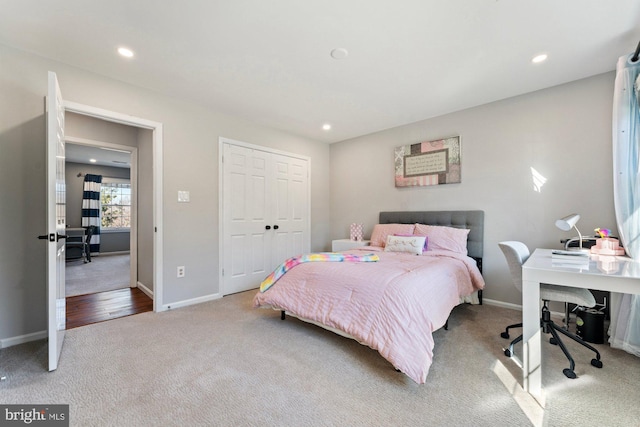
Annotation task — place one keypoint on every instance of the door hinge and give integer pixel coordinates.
(223, 272)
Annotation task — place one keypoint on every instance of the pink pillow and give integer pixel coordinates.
(381, 231)
(444, 238)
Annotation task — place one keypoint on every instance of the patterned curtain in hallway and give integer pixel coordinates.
(91, 208)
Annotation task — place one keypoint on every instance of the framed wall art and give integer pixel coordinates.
(428, 163)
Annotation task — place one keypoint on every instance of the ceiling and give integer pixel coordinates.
(270, 61)
(77, 153)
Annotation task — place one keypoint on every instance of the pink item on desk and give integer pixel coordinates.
(607, 246)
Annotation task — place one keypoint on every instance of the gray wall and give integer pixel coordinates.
(145, 208)
(564, 133)
(190, 156)
(81, 126)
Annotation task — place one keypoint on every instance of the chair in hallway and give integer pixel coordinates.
(82, 247)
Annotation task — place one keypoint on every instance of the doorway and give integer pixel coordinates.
(102, 285)
(111, 248)
(144, 149)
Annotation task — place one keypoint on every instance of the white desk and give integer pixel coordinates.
(75, 234)
(614, 274)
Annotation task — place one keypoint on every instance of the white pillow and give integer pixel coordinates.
(408, 244)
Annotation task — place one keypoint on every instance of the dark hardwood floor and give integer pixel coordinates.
(92, 308)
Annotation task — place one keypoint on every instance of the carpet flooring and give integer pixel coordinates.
(103, 273)
(223, 363)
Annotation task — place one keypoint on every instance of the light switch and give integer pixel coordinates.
(183, 197)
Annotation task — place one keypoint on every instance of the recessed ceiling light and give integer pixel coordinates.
(339, 53)
(127, 53)
(326, 126)
(539, 58)
(92, 160)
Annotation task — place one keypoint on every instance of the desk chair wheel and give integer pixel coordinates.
(596, 362)
(569, 373)
(553, 341)
(507, 352)
(504, 335)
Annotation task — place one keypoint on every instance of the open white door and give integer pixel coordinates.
(56, 219)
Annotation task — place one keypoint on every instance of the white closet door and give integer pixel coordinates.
(290, 207)
(265, 213)
(247, 242)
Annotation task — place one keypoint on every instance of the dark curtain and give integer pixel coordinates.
(91, 208)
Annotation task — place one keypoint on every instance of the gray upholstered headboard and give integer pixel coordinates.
(473, 220)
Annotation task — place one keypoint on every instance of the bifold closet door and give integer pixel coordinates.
(289, 208)
(265, 214)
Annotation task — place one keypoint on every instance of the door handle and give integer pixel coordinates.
(52, 237)
(267, 227)
(275, 227)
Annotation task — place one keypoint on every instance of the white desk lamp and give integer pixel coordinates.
(568, 222)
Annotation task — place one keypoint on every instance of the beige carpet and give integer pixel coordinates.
(103, 273)
(223, 363)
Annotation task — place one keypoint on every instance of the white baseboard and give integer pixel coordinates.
(193, 301)
(501, 304)
(144, 289)
(111, 253)
(21, 339)
(513, 306)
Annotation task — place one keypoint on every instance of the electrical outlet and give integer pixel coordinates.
(181, 271)
(183, 197)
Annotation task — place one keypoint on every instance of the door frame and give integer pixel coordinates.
(156, 135)
(133, 178)
(221, 142)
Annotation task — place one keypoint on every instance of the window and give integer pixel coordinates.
(115, 198)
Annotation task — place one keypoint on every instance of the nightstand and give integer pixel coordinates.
(346, 244)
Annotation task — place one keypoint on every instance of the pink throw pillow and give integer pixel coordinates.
(381, 231)
(444, 238)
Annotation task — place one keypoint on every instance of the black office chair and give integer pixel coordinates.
(516, 254)
(82, 247)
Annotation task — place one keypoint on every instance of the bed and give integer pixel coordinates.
(389, 296)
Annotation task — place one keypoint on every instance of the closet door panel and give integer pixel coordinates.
(245, 214)
(291, 215)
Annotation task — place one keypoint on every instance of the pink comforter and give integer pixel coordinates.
(393, 305)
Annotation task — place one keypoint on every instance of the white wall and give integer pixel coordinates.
(190, 159)
(564, 133)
